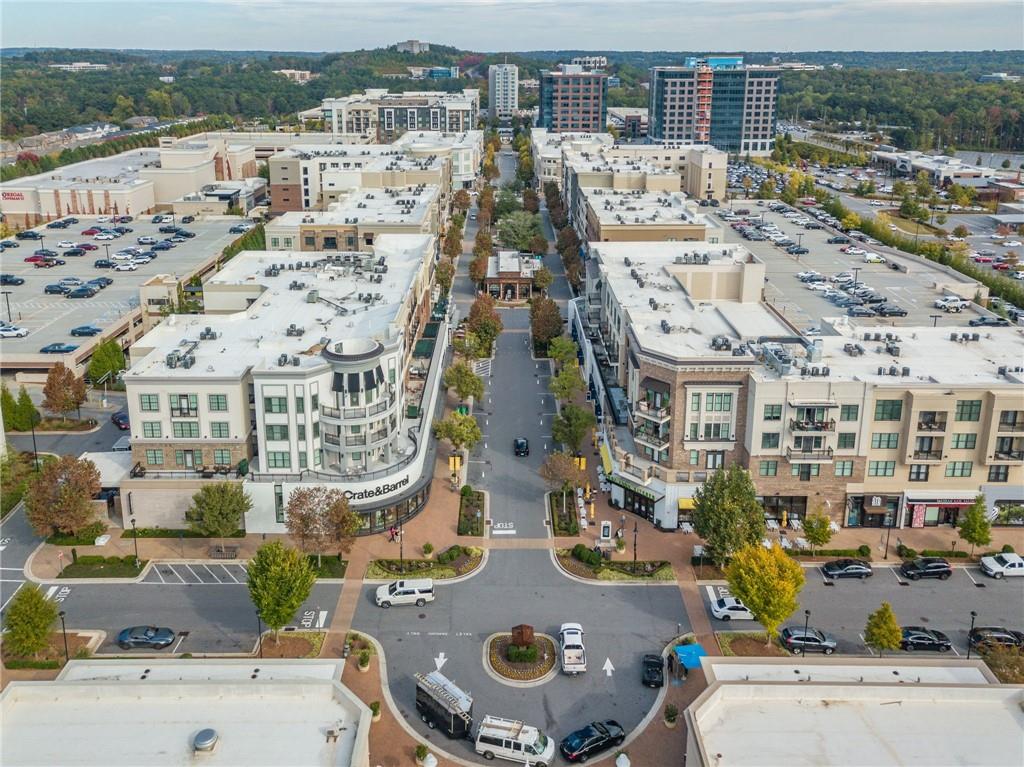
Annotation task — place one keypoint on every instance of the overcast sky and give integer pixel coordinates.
(497, 25)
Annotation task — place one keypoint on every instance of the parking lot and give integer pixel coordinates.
(842, 609)
(911, 289)
(50, 318)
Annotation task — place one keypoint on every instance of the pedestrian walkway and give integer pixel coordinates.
(197, 573)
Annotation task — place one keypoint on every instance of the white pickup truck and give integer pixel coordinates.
(951, 303)
(574, 655)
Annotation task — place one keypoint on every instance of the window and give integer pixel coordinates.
(847, 440)
(315, 401)
(184, 405)
(919, 473)
(220, 430)
(316, 428)
(279, 460)
(694, 402)
(188, 458)
(279, 504)
(275, 404)
(300, 404)
(885, 440)
(805, 471)
(301, 428)
(218, 402)
(998, 473)
(318, 457)
(303, 459)
(770, 440)
(888, 409)
(694, 457)
(186, 429)
(849, 412)
(881, 468)
(154, 457)
(149, 402)
(222, 457)
(844, 468)
(959, 468)
(716, 431)
(968, 410)
(716, 459)
(718, 403)
(964, 441)
(152, 430)
(276, 432)
(768, 468)
(773, 412)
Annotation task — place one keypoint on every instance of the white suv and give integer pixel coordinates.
(728, 608)
(410, 591)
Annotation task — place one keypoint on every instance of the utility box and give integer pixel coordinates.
(522, 635)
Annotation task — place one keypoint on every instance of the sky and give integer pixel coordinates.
(517, 25)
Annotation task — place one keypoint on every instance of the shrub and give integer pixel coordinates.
(671, 713)
(428, 549)
(364, 658)
(905, 552)
(455, 550)
(84, 537)
(859, 552)
(1007, 549)
(516, 654)
(23, 663)
(941, 553)
(421, 752)
(864, 550)
(466, 491)
(375, 707)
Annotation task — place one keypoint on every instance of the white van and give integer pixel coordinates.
(514, 741)
(412, 591)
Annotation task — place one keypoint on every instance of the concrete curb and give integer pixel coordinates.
(596, 582)
(56, 433)
(486, 661)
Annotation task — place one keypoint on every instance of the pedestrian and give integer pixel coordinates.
(391, 534)
(672, 664)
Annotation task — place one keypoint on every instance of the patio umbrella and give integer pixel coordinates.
(689, 655)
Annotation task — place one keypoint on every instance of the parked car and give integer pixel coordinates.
(147, 240)
(58, 349)
(66, 244)
(187, 219)
(571, 649)
(74, 252)
(589, 741)
(926, 567)
(5, 244)
(409, 591)
(45, 253)
(163, 245)
(861, 311)
(100, 282)
(795, 638)
(919, 638)
(56, 290)
(10, 279)
(87, 246)
(12, 331)
(126, 266)
(998, 636)
(1002, 565)
(728, 608)
(652, 670)
(847, 568)
(150, 637)
(890, 310)
(103, 263)
(989, 322)
(873, 258)
(86, 330)
(513, 741)
(28, 234)
(521, 446)
(169, 229)
(120, 420)
(82, 292)
(49, 263)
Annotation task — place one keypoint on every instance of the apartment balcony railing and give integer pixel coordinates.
(1009, 455)
(808, 456)
(931, 425)
(1011, 426)
(644, 408)
(927, 455)
(655, 440)
(796, 424)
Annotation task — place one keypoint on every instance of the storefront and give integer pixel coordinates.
(634, 497)
(685, 510)
(783, 508)
(872, 510)
(922, 509)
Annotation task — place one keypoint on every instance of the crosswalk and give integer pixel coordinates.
(193, 574)
(482, 368)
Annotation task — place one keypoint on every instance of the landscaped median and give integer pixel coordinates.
(751, 644)
(93, 566)
(587, 563)
(292, 644)
(453, 562)
(471, 511)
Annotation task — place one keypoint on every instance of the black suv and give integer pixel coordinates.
(10, 279)
(995, 636)
(28, 234)
(926, 567)
(653, 671)
(521, 446)
(920, 638)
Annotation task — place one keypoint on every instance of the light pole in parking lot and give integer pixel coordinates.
(135, 540)
(64, 631)
(106, 247)
(856, 274)
(799, 239)
(807, 622)
(7, 297)
(935, 319)
(974, 615)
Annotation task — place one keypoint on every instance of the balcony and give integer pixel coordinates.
(1008, 455)
(1006, 427)
(812, 426)
(821, 455)
(927, 455)
(931, 424)
(649, 411)
(651, 438)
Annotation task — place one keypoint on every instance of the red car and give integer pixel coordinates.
(34, 259)
(90, 231)
(87, 246)
(982, 259)
(1001, 267)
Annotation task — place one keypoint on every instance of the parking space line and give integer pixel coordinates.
(967, 572)
(176, 574)
(158, 575)
(193, 573)
(896, 575)
(205, 567)
(4, 605)
(862, 639)
(228, 573)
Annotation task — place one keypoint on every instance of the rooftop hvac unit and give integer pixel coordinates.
(312, 296)
(188, 361)
(1002, 371)
(894, 371)
(282, 360)
(665, 327)
(881, 371)
(295, 361)
(172, 360)
(906, 372)
(953, 337)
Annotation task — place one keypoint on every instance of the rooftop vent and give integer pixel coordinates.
(205, 740)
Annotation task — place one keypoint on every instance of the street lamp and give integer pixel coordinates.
(35, 450)
(634, 546)
(135, 540)
(622, 525)
(64, 631)
(7, 297)
(974, 615)
(401, 549)
(807, 621)
(106, 248)
(259, 633)
(888, 532)
(856, 274)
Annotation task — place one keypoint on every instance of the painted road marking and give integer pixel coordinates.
(608, 668)
(211, 574)
(4, 605)
(51, 591)
(228, 573)
(967, 572)
(503, 528)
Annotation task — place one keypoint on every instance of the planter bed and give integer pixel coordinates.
(521, 672)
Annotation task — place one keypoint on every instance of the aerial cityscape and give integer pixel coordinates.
(450, 381)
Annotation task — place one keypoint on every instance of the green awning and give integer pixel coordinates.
(615, 479)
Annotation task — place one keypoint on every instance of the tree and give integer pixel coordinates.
(538, 244)
(726, 513)
(748, 184)
(562, 472)
(516, 230)
(543, 278)
(975, 527)
(280, 580)
(63, 391)
(850, 221)
(817, 530)
(478, 268)
(941, 219)
(444, 274)
(452, 245)
(545, 322)
(29, 619)
(922, 184)
(10, 409)
(767, 582)
(562, 350)
(567, 382)
(882, 631)
(531, 203)
(461, 200)
(460, 376)
(107, 359)
(468, 347)
(461, 431)
(571, 425)
(507, 202)
(28, 414)
(320, 518)
(218, 509)
(567, 241)
(59, 498)
(485, 321)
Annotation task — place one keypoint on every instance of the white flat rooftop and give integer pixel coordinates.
(257, 337)
(117, 171)
(363, 157)
(420, 140)
(114, 713)
(391, 205)
(612, 206)
(599, 162)
(875, 672)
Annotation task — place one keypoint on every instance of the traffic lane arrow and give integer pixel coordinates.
(608, 668)
(440, 660)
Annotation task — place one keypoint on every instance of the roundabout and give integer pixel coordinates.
(524, 673)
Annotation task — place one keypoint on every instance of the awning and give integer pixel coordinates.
(638, 489)
(353, 383)
(655, 385)
(943, 498)
(687, 504)
(368, 380)
(689, 655)
(606, 459)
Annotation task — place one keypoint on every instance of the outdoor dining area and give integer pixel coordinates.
(780, 529)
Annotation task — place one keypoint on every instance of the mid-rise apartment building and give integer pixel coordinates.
(590, 62)
(386, 116)
(303, 370)
(613, 215)
(692, 372)
(573, 99)
(413, 46)
(547, 150)
(715, 101)
(503, 90)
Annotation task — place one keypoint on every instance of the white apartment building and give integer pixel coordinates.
(547, 149)
(590, 62)
(385, 116)
(298, 373)
(503, 90)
